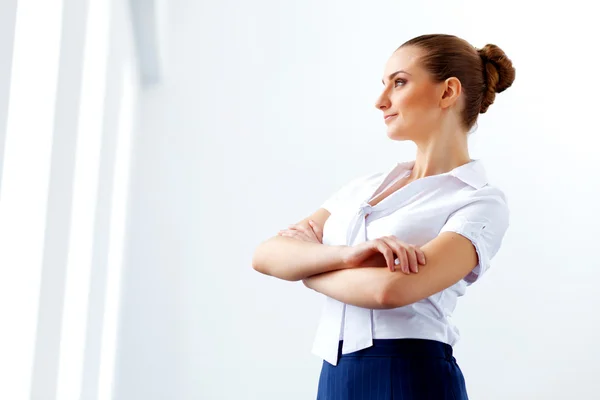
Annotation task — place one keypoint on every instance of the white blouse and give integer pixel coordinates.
(460, 201)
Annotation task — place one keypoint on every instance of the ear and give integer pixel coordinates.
(451, 93)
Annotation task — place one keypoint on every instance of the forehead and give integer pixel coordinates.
(405, 58)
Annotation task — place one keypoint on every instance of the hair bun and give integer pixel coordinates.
(499, 73)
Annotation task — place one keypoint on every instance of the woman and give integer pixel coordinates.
(433, 223)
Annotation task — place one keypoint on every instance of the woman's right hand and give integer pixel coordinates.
(369, 254)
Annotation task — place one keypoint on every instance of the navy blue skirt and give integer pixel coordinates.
(394, 369)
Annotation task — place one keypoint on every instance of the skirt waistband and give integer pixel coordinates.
(404, 348)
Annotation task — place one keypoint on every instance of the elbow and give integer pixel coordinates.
(259, 265)
(259, 259)
(384, 301)
(261, 268)
(390, 296)
(256, 263)
(258, 268)
(279, 274)
(388, 302)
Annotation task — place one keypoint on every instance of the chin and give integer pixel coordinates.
(399, 135)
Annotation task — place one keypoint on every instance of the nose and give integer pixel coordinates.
(383, 102)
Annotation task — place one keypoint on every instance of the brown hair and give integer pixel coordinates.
(481, 72)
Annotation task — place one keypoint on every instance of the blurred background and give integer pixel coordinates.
(148, 146)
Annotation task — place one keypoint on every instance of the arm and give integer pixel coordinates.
(361, 287)
(450, 257)
(467, 242)
(292, 260)
(464, 248)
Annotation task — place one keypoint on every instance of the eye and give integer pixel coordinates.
(399, 80)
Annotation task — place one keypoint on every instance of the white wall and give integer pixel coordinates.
(265, 109)
(8, 12)
(68, 108)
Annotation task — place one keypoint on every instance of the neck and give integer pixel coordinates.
(440, 154)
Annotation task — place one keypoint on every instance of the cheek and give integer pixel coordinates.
(414, 106)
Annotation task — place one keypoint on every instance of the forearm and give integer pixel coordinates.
(293, 260)
(362, 287)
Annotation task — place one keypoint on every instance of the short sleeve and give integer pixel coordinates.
(484, 221)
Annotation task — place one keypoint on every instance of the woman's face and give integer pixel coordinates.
(410, 98)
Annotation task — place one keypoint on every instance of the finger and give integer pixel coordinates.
(394, 248)
(384, 249)
(399, 252)
(300, 235)
(286, 233)
(308, 232)
(303, 233)
(399, 249)
(412, 259)
(290, 232)
(403, 260)
(306, 229)
(317, 229)
(421, 256)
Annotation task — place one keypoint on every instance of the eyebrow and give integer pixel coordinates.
(392, 75)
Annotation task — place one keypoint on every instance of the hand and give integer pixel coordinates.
(308, 232)
(364, 254)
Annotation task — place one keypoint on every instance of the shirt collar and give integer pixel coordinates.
(472, 173)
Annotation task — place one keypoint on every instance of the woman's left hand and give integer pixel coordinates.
(310, 232)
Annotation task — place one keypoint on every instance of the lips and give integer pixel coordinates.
(388, 117)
